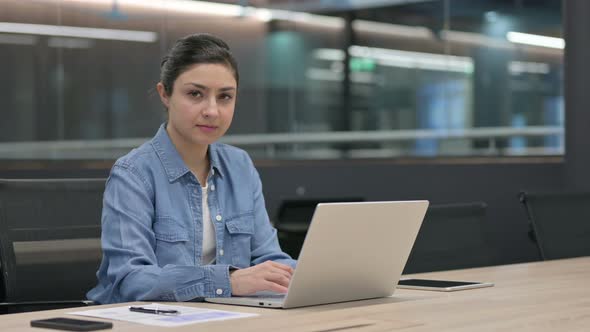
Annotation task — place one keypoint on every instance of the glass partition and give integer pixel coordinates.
(319, 79)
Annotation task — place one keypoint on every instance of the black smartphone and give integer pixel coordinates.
(70, 324)
(440, 285)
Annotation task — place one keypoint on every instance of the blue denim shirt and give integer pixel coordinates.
(152, 225)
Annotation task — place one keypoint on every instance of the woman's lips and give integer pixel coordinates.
(207, 129)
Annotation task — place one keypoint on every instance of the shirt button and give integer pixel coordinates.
(221, 252)
(218, 217)
(212, 187)
(219, 291)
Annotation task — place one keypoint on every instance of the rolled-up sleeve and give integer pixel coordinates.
(129, 270)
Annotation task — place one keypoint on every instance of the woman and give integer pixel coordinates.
(184, 217)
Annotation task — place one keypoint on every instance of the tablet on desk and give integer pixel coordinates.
(441, 285)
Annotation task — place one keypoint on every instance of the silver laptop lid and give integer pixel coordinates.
(354, 251)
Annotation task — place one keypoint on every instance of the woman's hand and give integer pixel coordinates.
(268, 276)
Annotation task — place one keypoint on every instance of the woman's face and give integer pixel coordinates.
(201, 107)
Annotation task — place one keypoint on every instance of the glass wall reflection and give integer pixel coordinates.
(319, 79)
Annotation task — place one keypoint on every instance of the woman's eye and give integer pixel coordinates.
(195, 93)
(226, 97)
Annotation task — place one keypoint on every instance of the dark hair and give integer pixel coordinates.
(191, 50)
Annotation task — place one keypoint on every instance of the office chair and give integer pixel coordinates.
(293, 221)
(49, 242)
(451, 237)
(560, 223)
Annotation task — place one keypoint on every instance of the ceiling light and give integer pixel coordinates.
(535, 40)
(78, 32)
(393, 29)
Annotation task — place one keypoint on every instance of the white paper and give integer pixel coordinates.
(186, 316)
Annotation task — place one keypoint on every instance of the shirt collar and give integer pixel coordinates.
(171, 159)
(214, 159)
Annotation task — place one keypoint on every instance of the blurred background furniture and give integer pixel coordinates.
(451, 237)
(49, 242)
(560, 223)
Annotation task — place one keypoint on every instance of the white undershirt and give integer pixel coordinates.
(209, 246)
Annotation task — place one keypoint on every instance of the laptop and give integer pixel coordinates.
(352, 251)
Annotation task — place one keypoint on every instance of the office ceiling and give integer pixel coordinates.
(543, 16)
(321, 6)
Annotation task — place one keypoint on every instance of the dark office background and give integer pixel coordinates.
(441, 177)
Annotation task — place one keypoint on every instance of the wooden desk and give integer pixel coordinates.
(541, 296)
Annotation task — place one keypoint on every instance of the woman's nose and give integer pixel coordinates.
(211, 110)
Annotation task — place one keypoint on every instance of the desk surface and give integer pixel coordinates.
(541, 296)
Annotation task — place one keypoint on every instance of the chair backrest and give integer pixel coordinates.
(293, 220)
(560, 223)
(49, 238)
(451, 237)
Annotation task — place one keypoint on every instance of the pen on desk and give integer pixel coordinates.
(154, 311)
